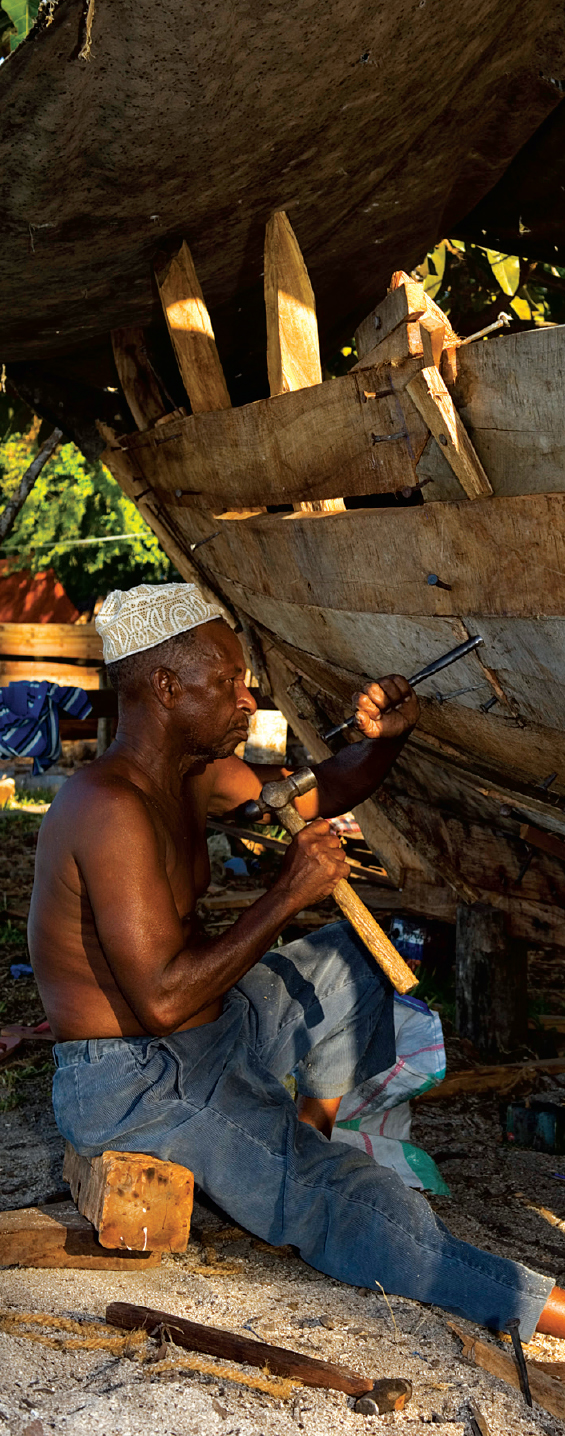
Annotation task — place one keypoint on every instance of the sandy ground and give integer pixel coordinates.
(505, 1200)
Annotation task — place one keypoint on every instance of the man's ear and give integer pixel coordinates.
(166, 686)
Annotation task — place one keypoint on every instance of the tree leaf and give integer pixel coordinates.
(23, 14)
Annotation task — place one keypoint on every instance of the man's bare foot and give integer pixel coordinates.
(318, 1112)
(552, 1319)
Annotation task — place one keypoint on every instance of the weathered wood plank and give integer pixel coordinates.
(467, 735)
(295, 447)
(293, 348)
(381, 560)
(434, 403)
(12, 671)
(57, 1236)
(54, 640)
(192, 335)
(134, 1201)
(509, 394)
(136, 376)
(406, 304)
(491, 982)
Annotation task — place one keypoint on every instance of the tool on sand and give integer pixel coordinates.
(278, 798)
(229, 1345)
(438, 663)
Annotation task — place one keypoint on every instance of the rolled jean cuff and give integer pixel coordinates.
(533, 1306)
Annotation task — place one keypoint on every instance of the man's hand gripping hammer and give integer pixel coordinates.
(278, 798)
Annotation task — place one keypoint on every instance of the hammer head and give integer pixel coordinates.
(277, 795)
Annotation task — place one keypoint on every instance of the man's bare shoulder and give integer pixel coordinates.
(95, 799)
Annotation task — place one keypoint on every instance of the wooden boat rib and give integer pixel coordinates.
(329, 596)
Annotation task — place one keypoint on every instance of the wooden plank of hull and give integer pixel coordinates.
(299, 446)
(381, 558)
(373, 643)
(509, 394)
(467, 736)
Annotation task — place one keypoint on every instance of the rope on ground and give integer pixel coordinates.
(271, 1385)
(84, 54)
(94, 1336)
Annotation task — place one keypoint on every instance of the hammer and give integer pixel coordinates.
(279, 798)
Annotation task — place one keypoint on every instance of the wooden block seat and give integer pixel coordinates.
(135, 1202)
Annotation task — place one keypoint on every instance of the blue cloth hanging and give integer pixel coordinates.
(29, 720)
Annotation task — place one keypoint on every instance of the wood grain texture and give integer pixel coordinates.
(216, 1341)
(293, 348)
(546, 1391)
(379, 559)
(135, 1202)
(57, 1236)
(192, 336)
(37, 670)
(52, 640)
(406, 304)
(136, 376)
(508, 393)
(434, 403)
(300, 446)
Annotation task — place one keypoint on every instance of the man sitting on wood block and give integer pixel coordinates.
(174, 1044)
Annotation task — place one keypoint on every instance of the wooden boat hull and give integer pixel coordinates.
(329, 600)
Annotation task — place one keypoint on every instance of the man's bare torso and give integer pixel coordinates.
(80, 994)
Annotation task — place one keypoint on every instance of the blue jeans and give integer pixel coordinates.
(212, 1099)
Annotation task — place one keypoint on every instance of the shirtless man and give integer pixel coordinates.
(175, 1044)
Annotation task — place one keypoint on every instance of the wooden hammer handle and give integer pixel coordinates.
(361, 919)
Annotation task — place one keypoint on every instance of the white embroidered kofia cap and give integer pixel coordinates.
(147, 615)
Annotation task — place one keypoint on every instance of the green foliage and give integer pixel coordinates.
(72, 500)
(473, 284)
(21, 14)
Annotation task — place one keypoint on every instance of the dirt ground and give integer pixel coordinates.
(503, 1199)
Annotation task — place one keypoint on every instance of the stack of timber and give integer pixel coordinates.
(336, 587)
(65, 653)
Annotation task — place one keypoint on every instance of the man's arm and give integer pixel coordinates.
(386, 714)
(165, 978)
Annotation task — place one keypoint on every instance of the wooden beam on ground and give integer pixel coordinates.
(136, 376)
(434, 403)
(491, 981)
(502, 1078)
(58, 1236)
(135, 1202)
(192, 335)
(546, 1390)
(293, 348)
(50, 640)
(215, 1341)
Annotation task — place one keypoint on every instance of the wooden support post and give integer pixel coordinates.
(293, 347)
(190, 328)
(135, 1202)
(491, 982)
(136, 376)
(434, 403)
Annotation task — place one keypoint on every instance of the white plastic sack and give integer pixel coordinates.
(376, 1116)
